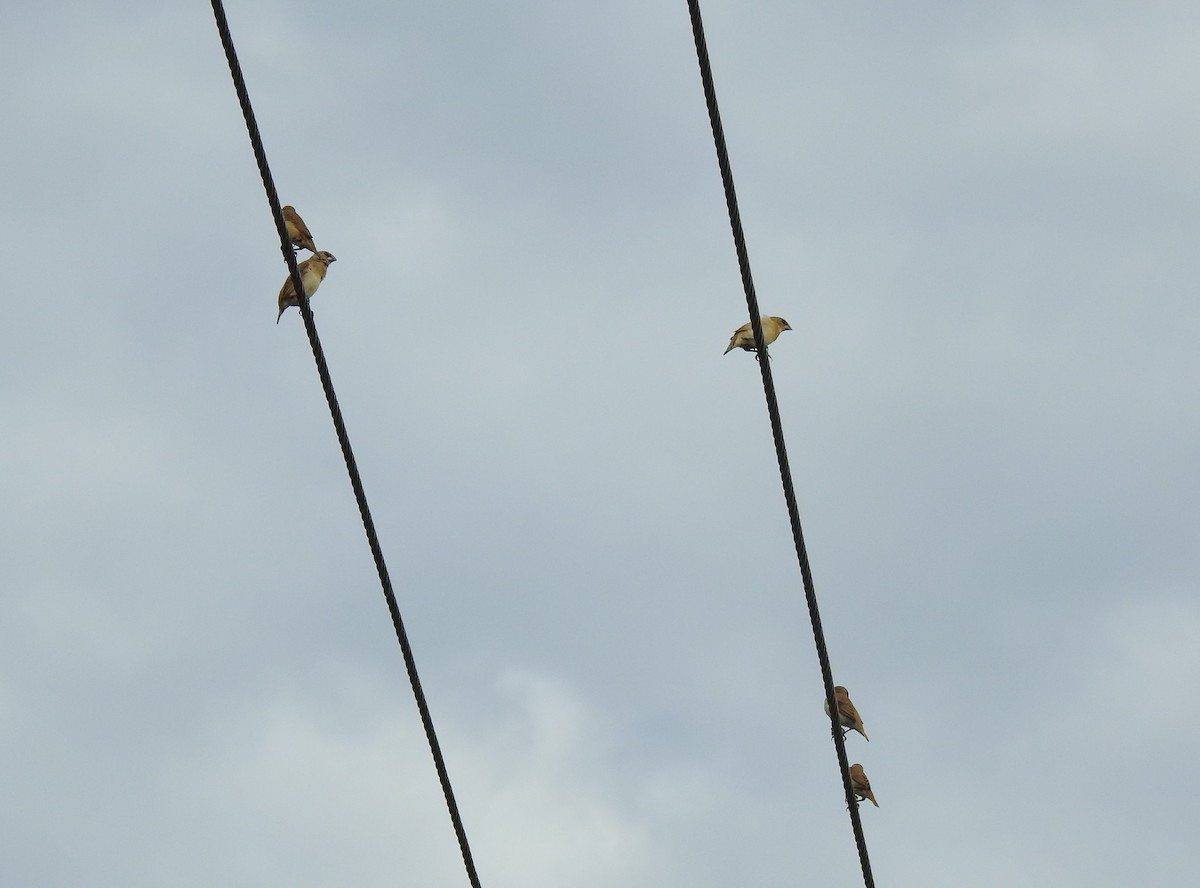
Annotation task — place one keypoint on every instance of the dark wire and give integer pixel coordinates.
(785, 473)
(335, 411)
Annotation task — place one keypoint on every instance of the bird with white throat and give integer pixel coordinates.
(312, 272)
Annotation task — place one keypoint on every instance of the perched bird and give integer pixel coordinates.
(312, 272)
(847, 715)
(743, 336)
(297, 231)
(861, 785)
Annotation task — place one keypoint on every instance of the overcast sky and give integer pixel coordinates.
(980, 219)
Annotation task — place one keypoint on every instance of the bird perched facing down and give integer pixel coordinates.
(312, 272)
(297, 231)
(847, 715)
(743, 336)
(861, 785)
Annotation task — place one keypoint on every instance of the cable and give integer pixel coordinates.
(335, 411)
(785, 473)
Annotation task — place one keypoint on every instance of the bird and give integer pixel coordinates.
(743, 336)
(312, 272)
(847, 715)
(861, 785)
(297, 231)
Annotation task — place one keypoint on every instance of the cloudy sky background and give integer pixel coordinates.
(980, 219)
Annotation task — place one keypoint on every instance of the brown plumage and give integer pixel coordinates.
(297, 231)
(743, 336)
(312, 272)
(847, 715)
(861, 785)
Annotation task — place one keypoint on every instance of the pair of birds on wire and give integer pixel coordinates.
(312, 270)
(850, 720)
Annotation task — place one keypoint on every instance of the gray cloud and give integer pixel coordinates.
(978, 221)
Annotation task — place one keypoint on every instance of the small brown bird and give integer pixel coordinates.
(312, 272)
(743, 336)
(297, 231)
(861, 785)
(847, 714)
